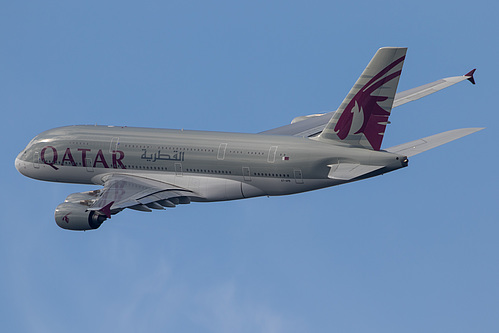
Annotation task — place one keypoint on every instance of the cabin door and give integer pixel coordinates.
(178, 169)
(221, 151)
(298, 176)
(114, 144)
(246, 174)
(36, 160)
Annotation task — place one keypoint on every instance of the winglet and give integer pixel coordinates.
(106, 210)
(470, 74)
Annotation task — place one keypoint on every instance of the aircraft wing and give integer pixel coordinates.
(308, 126)
(418, 146)
(126, 191)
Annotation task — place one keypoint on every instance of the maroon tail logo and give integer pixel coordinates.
(375, 117)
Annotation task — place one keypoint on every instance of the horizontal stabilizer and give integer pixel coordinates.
(418, 146)
(349, 171)
(430, 88)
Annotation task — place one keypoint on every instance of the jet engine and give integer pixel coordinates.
(74, 216)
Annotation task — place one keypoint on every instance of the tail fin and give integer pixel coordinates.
(362, 117)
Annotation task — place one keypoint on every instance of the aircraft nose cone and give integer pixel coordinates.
(20, 164)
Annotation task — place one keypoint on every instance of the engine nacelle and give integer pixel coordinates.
(74, 216)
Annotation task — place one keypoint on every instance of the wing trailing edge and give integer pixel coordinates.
(421, 145)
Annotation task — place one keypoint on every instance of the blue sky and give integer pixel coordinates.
(415, 250)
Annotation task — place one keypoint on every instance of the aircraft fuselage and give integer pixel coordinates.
(215, 165)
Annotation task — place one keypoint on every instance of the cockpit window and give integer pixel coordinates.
(31, 142)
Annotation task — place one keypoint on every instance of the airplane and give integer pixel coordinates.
(146, 169)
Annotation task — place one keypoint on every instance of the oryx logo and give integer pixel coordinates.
(366, 105)
(65, 218)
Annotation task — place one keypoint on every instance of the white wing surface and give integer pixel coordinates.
(140, 193)
(418, 146)
(430, 88)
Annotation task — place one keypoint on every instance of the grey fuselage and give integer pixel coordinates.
(214, 165)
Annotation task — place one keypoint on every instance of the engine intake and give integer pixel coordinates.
(74, 216)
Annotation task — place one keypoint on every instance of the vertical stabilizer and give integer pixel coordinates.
(362, 117)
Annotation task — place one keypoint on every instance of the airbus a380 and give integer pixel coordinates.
(146, 169)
